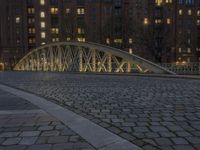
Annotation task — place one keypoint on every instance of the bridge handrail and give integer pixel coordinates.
(183, 68)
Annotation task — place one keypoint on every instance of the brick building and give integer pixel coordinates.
(159, 30)
(13, 40)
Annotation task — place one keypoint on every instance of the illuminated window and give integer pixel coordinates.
(198, 22)
(158, 21)
(189, 50)
(180, 12)
(55, 39)
(80, 31)
(17, 19)
(68, 39)
(130, 50)
(189, 12)
(189, 41)
(80, 11)
(158, 2)
(168, 21)
(107, 41)
(31, 40)
(18, 41)
(81, 39)
(43, 43)
(43, 35)
(42, 14)
(31, 20)
(42, 2)
(179, 50)
(198, 12)
(130, 41)
(54, 30)
(54, 10)
(31, 30)
(67, 10)
(31, 10)
(168, 1)
(119, 41)
(42, 24)
(146, 21)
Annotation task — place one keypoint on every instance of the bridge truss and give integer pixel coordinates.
(85, 57)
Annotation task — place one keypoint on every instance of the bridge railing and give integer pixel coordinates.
(183, 68)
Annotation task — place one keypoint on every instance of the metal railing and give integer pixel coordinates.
(183, 68)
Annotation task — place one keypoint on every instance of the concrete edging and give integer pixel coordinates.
(97, 136)
(194, 77)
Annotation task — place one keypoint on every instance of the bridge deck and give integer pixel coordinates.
(159, 113)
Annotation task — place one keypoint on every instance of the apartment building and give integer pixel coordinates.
(159, 30)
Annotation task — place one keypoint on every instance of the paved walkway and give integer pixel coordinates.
(24, 126)
(153, 113)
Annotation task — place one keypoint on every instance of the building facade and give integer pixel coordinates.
(13, 40)
(159, 30)
(178, 23)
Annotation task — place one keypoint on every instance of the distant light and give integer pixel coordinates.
(17, 19)
(42, 14)
(42, 2)
(168, 21)
(146, 21)
(130, 51)
(43, 43)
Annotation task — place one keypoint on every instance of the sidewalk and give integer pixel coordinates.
(34, 129)
(24, 126)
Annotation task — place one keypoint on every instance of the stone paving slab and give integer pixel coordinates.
(99, 137)
(34, 129)
(15, 103)
(153, 113)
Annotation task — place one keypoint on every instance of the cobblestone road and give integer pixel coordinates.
(23, 126)
(153, 113)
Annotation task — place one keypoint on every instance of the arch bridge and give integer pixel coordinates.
(85, 57)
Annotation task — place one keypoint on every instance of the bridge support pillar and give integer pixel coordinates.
(38, 61)
(44, 60)
(59, 59)
(80, 60)
(94, 60)
(32, 63)
(109, 63)
(51, 59)
(128, 67)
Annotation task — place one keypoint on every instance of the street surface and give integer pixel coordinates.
(151, 112)
(23, 126)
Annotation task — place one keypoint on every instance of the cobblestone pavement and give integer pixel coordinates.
(24, 126)
(153, 113)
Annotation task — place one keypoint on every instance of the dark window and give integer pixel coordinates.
(54, 2)
(80, 2)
